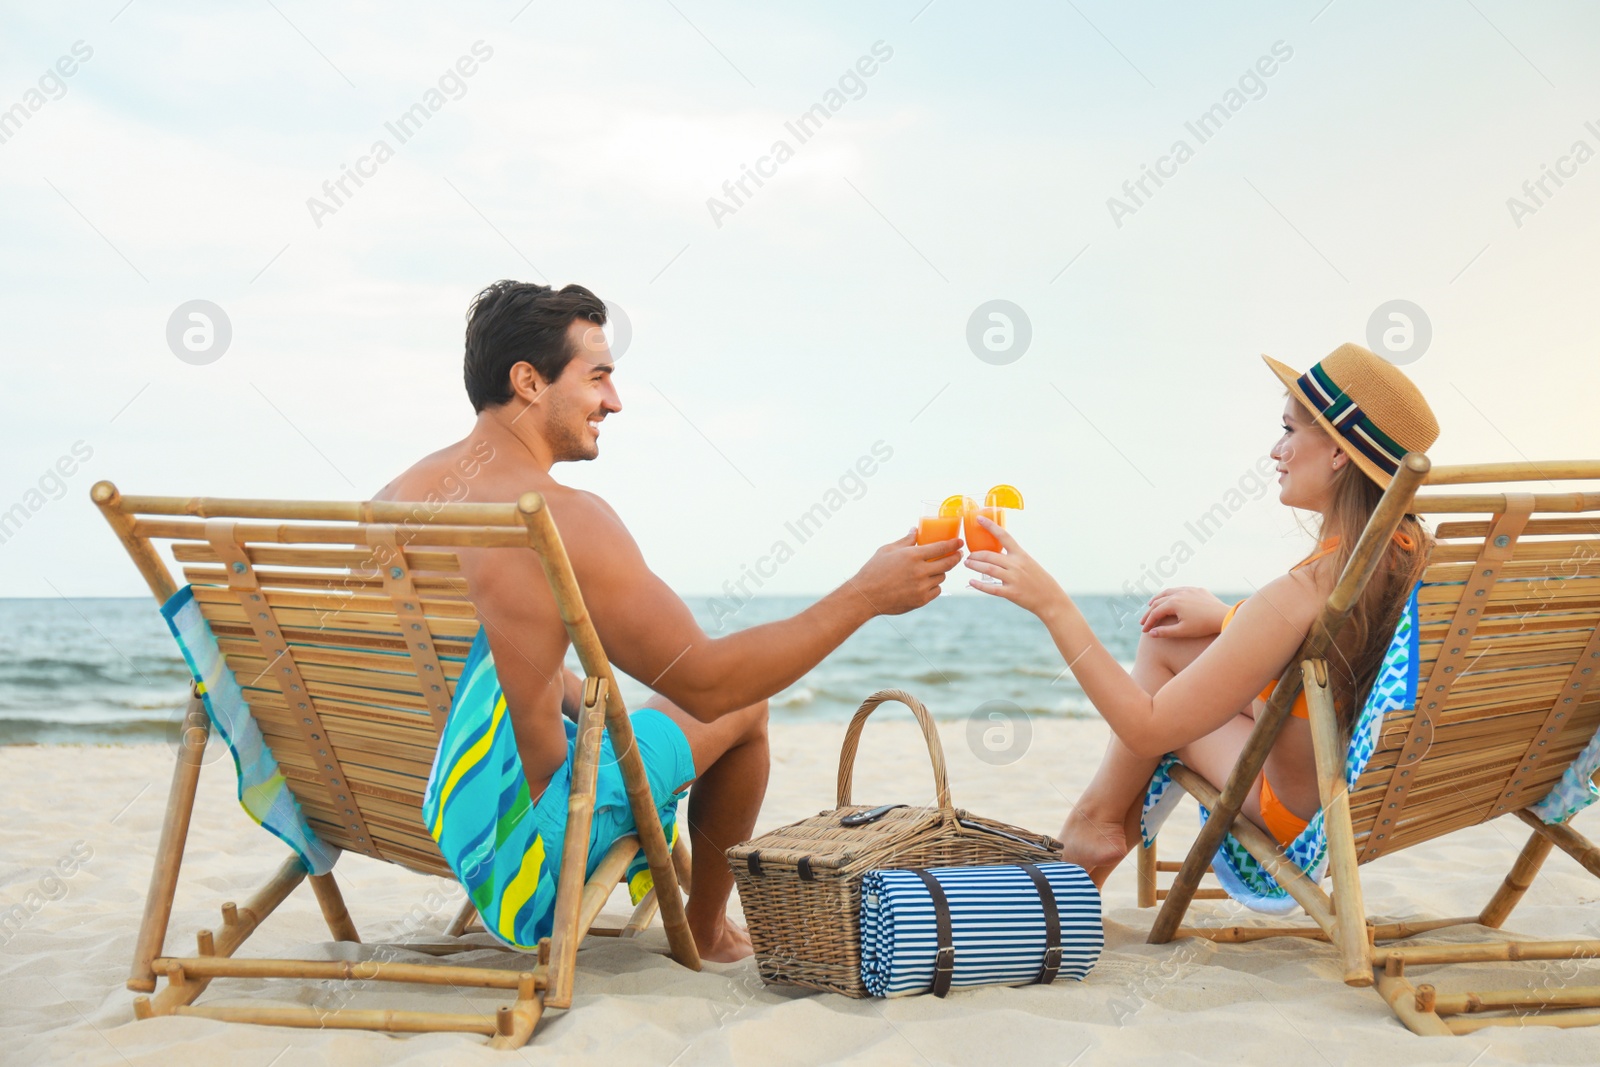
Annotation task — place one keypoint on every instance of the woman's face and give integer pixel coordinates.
(1307, 458)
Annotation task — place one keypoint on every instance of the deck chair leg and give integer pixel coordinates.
(1518, 879)
(546, 540)
(1567, 840)
(1223, 814)
(575, 849)
(1350, 912)
(238, 923)
(463, 920)
(1147, 874)
(169, 852)
(331, 901)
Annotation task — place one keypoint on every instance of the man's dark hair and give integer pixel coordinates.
(515, 322)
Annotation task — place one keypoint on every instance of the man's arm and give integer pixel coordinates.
(650, 633)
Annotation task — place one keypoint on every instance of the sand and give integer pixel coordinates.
(78, 853)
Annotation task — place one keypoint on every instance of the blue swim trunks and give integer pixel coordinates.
(505, 848)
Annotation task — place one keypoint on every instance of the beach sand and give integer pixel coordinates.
(97, 811)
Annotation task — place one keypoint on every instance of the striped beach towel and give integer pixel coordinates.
(996, 926)
(263, 793)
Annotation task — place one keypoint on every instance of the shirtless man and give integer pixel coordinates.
(539, 375)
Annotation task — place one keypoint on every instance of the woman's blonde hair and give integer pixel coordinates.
(1359, 649)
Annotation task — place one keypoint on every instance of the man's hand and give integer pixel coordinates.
(1185, 611)
(903, 575)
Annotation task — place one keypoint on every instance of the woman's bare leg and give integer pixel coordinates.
(1104, 825)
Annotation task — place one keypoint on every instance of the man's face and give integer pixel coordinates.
(577, 401)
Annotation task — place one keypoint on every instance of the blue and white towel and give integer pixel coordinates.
(997, 926)
(263, 792)
(1396, 688)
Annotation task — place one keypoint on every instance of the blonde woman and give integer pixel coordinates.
(1204, 668)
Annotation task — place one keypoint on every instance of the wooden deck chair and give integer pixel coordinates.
(360, 611)
(1506, 699)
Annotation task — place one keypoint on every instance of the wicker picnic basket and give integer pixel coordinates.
(800, 885)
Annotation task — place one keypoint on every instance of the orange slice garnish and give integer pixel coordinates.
(1004, 496)
(954, 507)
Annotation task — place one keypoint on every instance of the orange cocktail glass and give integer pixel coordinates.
(940, 521)
(978, 539)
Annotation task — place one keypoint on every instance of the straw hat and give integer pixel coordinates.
(1367, 404)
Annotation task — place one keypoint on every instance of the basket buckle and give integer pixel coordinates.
(1052, 958)
(944, 961)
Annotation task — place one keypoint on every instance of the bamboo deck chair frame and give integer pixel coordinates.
(374, 623)
(1480, 744)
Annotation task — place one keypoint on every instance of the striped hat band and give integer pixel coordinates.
(1342, 412)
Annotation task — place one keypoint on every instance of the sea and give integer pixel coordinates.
(106, 671)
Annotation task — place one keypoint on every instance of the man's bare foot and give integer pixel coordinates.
(727, 943)
(1095, 845)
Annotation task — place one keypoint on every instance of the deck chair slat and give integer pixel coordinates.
(1438, 629)
(1521, 590)
(345, 603)
(445, 586)
(1536, 527)
(1580, 551)
(378, 662)
(300, 533)
(1569, 640)
(380, 684)
(318, 558)
(329, 623)
(1438, 573)
(380, 722)
(457, 647)
(370, 511)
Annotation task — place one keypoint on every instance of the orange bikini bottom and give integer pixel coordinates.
(1283, 824)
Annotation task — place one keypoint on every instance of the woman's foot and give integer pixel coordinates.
(1096, 845)
(725, 942)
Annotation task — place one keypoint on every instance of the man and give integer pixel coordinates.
(539, 375)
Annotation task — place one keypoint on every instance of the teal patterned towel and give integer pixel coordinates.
(263, 793)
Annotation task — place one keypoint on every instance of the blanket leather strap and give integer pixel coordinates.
(1052, 925)
(944, 961)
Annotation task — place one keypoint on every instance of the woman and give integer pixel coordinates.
(1198, 677)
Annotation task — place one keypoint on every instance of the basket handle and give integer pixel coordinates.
(852, 738)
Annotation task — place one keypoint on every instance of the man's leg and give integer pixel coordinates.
(731, 760)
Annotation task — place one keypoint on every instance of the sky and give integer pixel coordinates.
(1356, 154)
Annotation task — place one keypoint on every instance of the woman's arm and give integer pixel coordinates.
(1265, 634)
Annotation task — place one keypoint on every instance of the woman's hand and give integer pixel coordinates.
(1186, 611)
(1022, 580)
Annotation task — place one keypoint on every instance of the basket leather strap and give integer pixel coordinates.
(1052, 924)
(944, 960)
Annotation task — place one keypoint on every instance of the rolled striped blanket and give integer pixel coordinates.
(995, 925)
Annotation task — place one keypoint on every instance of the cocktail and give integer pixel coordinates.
(996, 503)
(941, 520)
